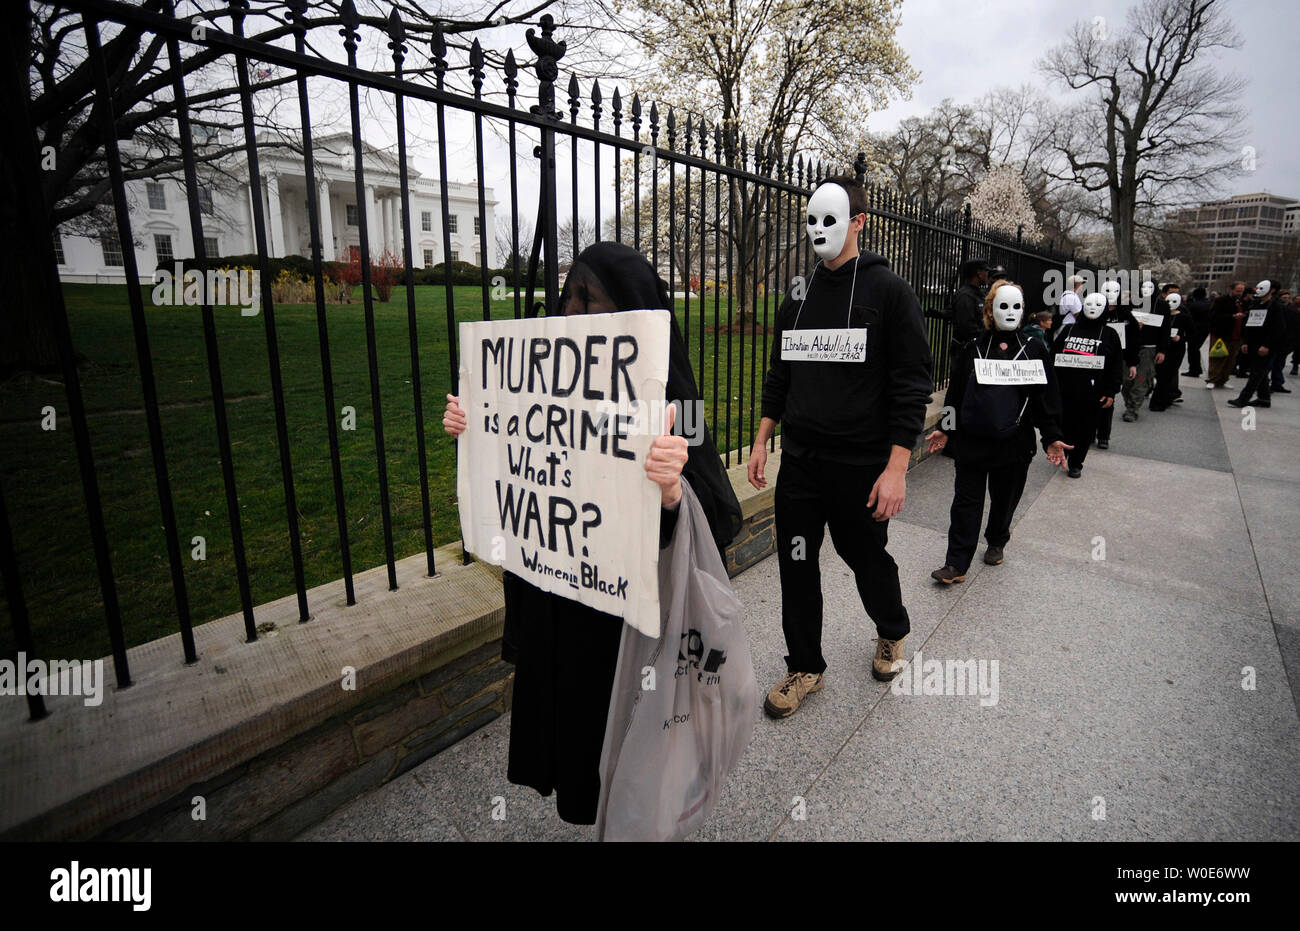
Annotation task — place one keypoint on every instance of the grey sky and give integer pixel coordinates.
(963, 49)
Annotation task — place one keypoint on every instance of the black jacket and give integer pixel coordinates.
(854, 410)
(1271, 332)
(1092, 337)
(1041, 403)
(1222, 320)
(967, 313)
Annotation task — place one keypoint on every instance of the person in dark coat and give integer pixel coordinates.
(565, 653)
(991, 437)
(1290, 323)
(1198, 310)
(1227, 317)
(1089, 362)
(968, 303)
(1167, 390)
(1263, 334)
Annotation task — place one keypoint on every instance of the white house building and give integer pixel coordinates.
(161, 227)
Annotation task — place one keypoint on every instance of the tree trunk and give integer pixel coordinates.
(27, 334)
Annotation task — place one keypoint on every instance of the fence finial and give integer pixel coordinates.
(438, 46)
(476, 67)
(397, 37)
(351, 26)
(548, 52)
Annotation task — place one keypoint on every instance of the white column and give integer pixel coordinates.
(373, 236)
(276, 245)
(394, 224)
(253, 191)
(326, 224)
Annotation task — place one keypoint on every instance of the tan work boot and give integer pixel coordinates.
(786, 695)
(889, 659)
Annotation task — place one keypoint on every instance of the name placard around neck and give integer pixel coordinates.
(1257, 316)
(1010, 372)
(1074, 360)
(824, 345)
(1148, 319)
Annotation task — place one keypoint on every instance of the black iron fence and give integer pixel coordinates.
(719, 218)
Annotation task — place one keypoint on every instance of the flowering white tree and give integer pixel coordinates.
(1000, 200)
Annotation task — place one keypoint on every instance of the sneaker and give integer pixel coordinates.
(993, 556)
(1103, 444)
(1209, 384)
(1129, 417)
(1178, 400)
(889, 659)
(1278, 389)
(786, 695)
(947, 575)
(1074, 473)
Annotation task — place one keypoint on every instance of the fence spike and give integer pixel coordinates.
(438, 47)
(351, 25)
(476, 67)
(511, 70)
(396, 37)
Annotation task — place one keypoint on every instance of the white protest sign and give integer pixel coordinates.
(1257, 316)
(550, 475)
(824, 345)
(1119, 328)
(1010, 372)
(1148, 319)
(1073, 360)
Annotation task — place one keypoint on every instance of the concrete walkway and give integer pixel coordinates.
(1120, 687)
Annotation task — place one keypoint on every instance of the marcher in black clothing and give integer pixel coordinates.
(565, 653)
(968, 303)
(1263, 333)
(1145, 345)
(849, 419)
(1167, 389)
(1115, 317)
(1198, 309)
(1278, 367)
(1089, 365)
(992, 437)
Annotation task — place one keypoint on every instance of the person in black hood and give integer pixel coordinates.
(565, 653)
(1167, 390)
(848, 380)
(991, 434)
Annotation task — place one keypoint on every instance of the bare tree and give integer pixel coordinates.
(1156, 127)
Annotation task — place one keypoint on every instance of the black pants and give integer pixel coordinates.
(1194, 352)
(1167, 377)
(810, 494)
(1104, 421)
(1080, 416)
(1006, 483)
(1257, 370)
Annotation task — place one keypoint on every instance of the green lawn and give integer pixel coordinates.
(43, 488)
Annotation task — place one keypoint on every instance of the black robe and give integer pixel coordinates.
(564, 652)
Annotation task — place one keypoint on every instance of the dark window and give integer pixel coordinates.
(112, 247)
(451, 223)
(426, 221)
(352, 214)
(210, 247)
(157, 195)
(162, 245)
(205, 201)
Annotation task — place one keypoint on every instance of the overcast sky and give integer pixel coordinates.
(965, 47)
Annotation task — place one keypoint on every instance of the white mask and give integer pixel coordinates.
(1094, 305)
(828, 220)
(1008, 307)
(1263, 288)
(1111, 290)
(1174, 301)
(1148, 288)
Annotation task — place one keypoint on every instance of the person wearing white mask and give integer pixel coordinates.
(848, 380)
(1178, 329)
(1071, 302)
(1088, 361)
(1262, 334)
(1002, 387)
(1115, 317)
(1145, 345)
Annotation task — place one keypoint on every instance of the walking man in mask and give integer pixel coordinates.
(848, 381)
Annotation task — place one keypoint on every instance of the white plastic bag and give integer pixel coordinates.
(684, 706)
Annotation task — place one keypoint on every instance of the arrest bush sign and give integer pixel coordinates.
(551, 479)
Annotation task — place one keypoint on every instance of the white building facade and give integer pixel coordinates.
(160, 221)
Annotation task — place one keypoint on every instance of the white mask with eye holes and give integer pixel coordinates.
(828, 220)
(1008, 308)
(1094, 305)
(1148, 288)
(1263, 288)
(1111, 292)
(1174, 300)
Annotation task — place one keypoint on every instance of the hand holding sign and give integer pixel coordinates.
(667, 456)
(454, 420)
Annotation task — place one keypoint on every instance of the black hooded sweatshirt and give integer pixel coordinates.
(1270, 332)
(1090, 338)
(853, 411)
